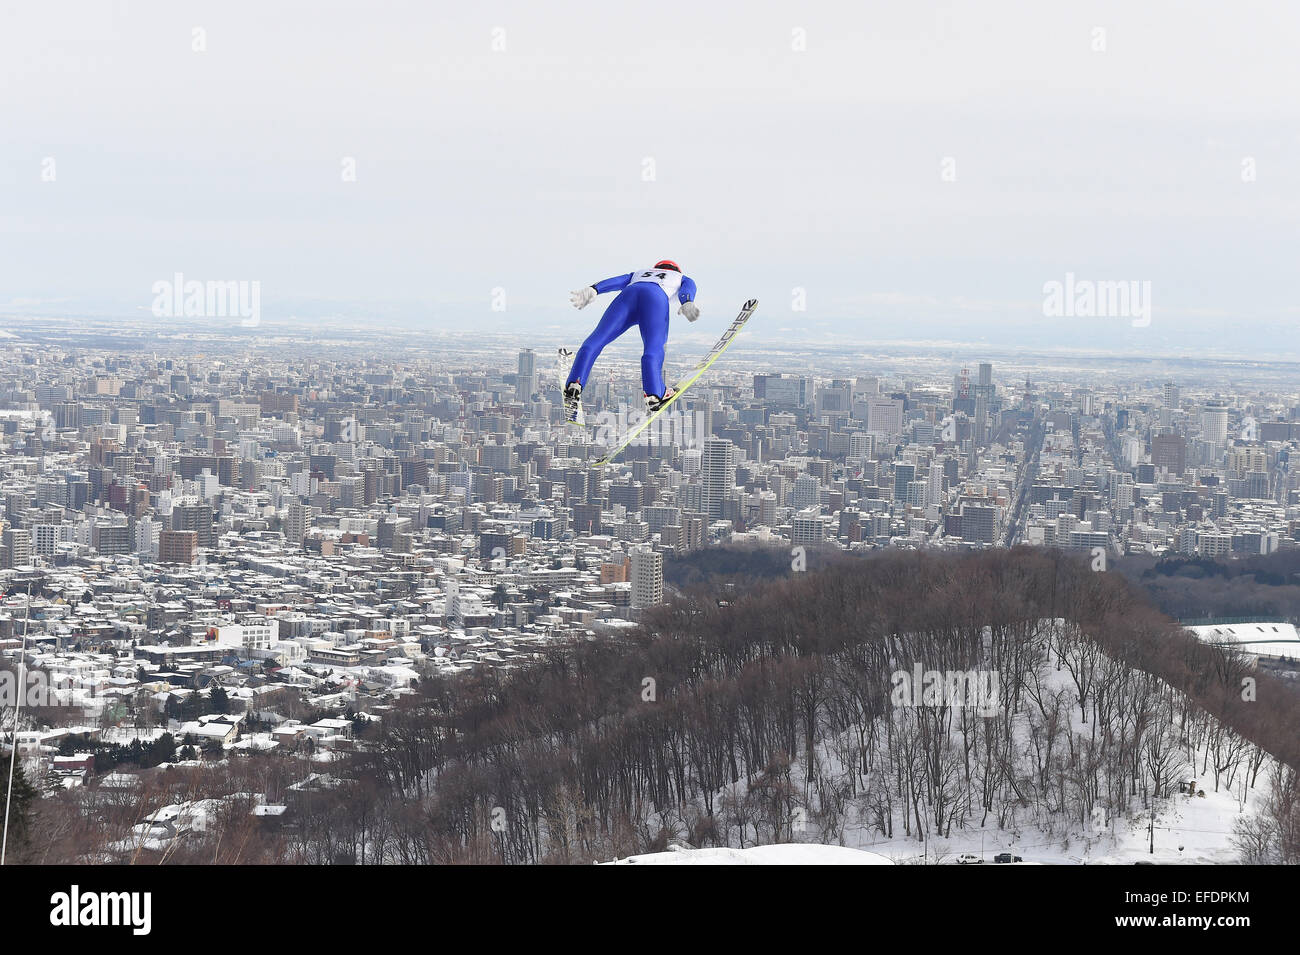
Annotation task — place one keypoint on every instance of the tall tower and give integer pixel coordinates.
(718, 475)
(934, 489)
(1214, 423)
(983, 398)
(526, 381)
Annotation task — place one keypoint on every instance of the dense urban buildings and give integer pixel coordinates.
(335, 519)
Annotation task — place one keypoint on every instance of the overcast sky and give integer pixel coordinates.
(774, 168)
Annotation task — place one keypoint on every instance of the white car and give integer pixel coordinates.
(967, 859)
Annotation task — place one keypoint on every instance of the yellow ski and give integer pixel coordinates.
(727, 337)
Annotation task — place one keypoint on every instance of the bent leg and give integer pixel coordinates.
(653, 319)
(616, 320)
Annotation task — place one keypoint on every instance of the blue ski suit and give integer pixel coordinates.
(643, 302)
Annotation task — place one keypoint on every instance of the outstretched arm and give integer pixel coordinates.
(686, 295)
(585, 296)
(614, 284)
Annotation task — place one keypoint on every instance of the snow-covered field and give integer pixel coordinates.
(787, 854)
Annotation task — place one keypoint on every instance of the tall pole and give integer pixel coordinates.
(13, 753)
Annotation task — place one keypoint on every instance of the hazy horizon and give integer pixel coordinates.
(901, 174)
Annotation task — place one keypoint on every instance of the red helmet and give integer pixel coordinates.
(667, 264)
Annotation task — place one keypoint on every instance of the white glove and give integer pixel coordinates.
(690, 310)
(583, 297)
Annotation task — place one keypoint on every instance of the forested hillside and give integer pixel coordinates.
(770, 718)
(1195, 587)
(745, 714)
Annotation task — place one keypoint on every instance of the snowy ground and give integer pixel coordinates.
(125, 735)
(1189, 830)
(787, 854)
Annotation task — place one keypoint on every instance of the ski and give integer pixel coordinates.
(680, 388)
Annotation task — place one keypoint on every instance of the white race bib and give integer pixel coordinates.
(666, 279)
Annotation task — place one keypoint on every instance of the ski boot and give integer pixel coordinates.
(653, 404)
(573, 402)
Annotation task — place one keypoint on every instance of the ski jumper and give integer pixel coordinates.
(643, 302)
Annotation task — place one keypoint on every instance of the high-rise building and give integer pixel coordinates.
(647, 577)
(978, 523)
(961, 385)
(807, 492)
(194, 516)
(1169, 453)
(177, 547)
(67, 414)
(297, 522)
(983, 401)
(352, 490)
(916, 493)
(659, 516)
(1215, 545)
(1214, 423)
(45, 539)
(17, 547)
(807, 529)
(951, 471)
(904, 474)
(885, 415)
(500, 545)
(1241, 461)
(861, 445)
(718, 475)
(835, 397)
(113, 538)
(526, 380)
(934, 490)
(692, 533)
(786, 391)
(146, 537)
(587, 518)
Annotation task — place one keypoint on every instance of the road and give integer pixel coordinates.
(1028, 474)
